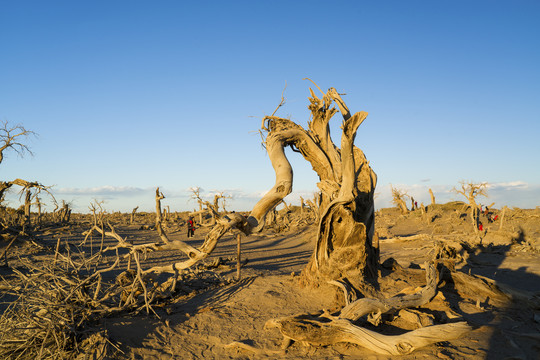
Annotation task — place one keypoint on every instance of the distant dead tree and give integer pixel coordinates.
(11, 138)
(166, 213)
(159, 197)
(132, 219)
(432, 197)
(27, 209)
(314, 206)
(196, 195)
(61, 214)
(212, 208)
(26, 189)
(215, 207)
(398, 199)
(39, 205)
(224, 198)
(471, 191)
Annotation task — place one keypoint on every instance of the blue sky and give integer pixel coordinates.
(130, 95)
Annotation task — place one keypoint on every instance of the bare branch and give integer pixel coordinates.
(9, 139)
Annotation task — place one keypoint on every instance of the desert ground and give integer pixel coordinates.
(50, 308)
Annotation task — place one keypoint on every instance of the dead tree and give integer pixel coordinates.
(302, 206)
(224, 199)
(39, 206)
(166, 213)
(344, 250)
(159, 197)
(27, 210)
(132, 219)
(212, 208)
(26, 187)
(432, 197)
(502, 217)
(398, 198)
(471, 191)
(197, 196)
(215, 208)
(314, 206)
(10, 139)
(64, 214)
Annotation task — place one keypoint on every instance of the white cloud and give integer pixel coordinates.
(124, 198)
(99, 190)
(509, 185)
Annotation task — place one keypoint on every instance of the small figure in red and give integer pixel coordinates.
(190, 227)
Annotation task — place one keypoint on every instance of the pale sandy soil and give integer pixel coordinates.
(200, 325)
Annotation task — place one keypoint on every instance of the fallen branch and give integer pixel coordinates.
(365, 306)
(324, 331)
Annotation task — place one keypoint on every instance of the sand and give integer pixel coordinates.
(201, 324)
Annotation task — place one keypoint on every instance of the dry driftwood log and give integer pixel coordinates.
(324, 329)
(365, 306)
